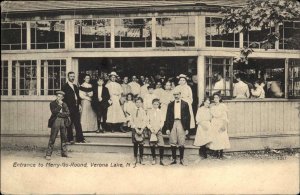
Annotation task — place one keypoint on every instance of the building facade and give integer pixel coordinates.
(42, 41)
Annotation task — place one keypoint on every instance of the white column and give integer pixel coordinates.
(38, 77)
(201, 77)
(69, 34)
(153, 23)
(28, 36)
(197, 31)
(17, 78)
(286, 76)
(46, 77)
(241, 40)
(277, 42)
(201, 31)
(9, 77)
(112, 33)
(75, 66)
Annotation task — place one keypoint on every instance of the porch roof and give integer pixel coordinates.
(39, 6)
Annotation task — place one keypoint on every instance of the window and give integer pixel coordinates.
(24, 80)
(289, 35)
(175, 31)
(92, 33)
(53, 76)
(13, 36)
(218, 76)
(214, 36)
(294, 78)
(268, 73)
(131, 33)
(256, 37)
(47, 34)
(4, 77)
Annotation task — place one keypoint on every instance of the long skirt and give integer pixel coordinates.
(204, 134)
(88, 116)
(115, 112)
(220, 138)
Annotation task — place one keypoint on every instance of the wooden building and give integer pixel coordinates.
(43, 40)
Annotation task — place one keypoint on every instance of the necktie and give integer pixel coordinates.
(137, 112)
(177, 101)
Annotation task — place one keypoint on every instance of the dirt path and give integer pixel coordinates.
(114, 173)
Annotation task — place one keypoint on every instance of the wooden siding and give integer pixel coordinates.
(263, 118)
(246, 118)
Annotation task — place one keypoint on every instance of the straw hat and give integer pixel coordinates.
(113, 74)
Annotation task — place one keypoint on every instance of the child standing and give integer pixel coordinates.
(149, 97)
(203, 135)
(155, 123)
(138, 125)
(219, 122)
(129, 108)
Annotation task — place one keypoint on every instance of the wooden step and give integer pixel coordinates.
(121, 138)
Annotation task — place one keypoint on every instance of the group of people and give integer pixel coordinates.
(148, 111)
(242, 89)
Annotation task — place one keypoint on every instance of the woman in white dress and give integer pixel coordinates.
(88, 116)
(186, 95)
(203, 134)
(219, 123)
(115, 114)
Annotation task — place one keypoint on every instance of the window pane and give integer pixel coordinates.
(290, 35)
(218, 76)
(294, 78)
(13, 36)
(47, 34)
(133, 32)
(214, 36)
(175, 32)
(4, 78)
(92, 33)
(55, 71)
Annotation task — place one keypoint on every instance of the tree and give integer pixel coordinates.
(260, 14)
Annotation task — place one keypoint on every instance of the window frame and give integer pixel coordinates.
(22, 44)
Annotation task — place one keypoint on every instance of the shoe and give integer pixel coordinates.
(153, 162)
(161, 163)
(100, 131)
(65, 156)
(83, 141)
(141, 161)
(122, 129)
(48, 157)
(183, 163)
(72, 142)
(174, 162)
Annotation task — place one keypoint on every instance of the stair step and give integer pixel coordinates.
(120, 148)
(121, 138)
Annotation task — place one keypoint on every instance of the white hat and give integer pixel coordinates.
(113, 74)
(182, 76)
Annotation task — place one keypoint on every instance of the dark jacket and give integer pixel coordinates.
(57, 111)
(69, 98)
(103, 104)
(185, 116)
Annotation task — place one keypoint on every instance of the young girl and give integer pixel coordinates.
(138, 124)
(155, 123)
(203, 135)
(219, 122)
(259, 91)
(129, 108)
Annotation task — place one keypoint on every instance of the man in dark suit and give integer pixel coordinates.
(58, 121)
(100, 104)
(177, 125)
(73, 102)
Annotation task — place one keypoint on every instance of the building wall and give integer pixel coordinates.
(29, 114)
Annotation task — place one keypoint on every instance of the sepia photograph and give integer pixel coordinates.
(150, 97)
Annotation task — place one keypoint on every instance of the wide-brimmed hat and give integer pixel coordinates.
(182, 76)
(113, 74)
(60, 92)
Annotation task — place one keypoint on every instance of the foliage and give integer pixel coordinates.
(259, 14)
